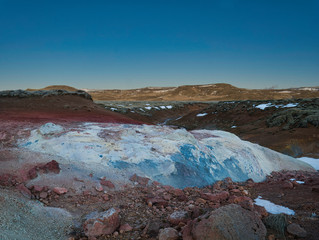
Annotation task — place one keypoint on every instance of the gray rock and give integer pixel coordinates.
(228, 222)
(296, 230)
(168, 234)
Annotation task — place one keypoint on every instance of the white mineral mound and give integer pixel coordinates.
(171, 156)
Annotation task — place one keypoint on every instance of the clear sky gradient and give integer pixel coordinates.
(131, 44)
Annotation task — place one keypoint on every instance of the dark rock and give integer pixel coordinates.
(228, 222)
(52, 166)
(296, 230)
(178, 216)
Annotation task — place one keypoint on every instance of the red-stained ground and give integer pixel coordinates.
(58, 109)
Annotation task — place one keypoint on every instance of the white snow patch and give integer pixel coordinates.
(273, 208)
(113, 109)
(263, 106)
(169, 107)
(314, 162)
(148, 108)
(233, 126)
(162, 107)
(289, 105)
(300, 182)
(267, 105)
(201, 114)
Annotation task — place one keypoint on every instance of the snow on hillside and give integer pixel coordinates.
(171, 156)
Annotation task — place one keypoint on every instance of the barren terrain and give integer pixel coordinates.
(40, 182)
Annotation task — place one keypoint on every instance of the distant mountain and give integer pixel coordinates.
(208, 92)
(55, 87)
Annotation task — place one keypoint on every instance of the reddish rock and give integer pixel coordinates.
(103, 223)
(156, 201)
(177, 192)
(105, 197)
(140, 180)
(178, 216)
(107, 183)
(200, 201)
(37, 188)
(60, 190)
(261, 211)
(7, 180)
(168, 234)
(296, 230)
(155, 183)
(99, 188)
(43, 195)
(87, 193)
(32, 173)
(52, 166)
(287, 185)
(245, 202)
(125, 228)
(24, 191)
(217, 197)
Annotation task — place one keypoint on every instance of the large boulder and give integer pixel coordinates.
(228, 222)
(103, 223)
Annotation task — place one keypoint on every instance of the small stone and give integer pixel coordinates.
(126, 228)
(107, 183)
(296, 230)
(178, 216)
(24, 191)
(168, 234)
(43, 195)
(200, 201)
(37, 188)
(99, 188)
(60, 190)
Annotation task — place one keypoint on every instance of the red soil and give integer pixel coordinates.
(61, 109)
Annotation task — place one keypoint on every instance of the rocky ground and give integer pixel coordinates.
(141, 208)
(149, 210)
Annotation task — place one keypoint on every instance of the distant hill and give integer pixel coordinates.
(55, 87)
(208, 92)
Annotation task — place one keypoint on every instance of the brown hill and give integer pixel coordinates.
(55, 87)
(209, 92)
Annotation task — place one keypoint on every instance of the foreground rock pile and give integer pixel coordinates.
(149, 210)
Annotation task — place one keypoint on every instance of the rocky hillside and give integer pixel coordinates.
(289, 126)
(55, 87)
(210, 92)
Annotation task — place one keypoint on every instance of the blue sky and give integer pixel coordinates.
(132, 44)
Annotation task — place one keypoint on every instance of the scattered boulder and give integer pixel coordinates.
(296, 230)
(168, 234)
(103, 223)
(178, 216)
(228, 222)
